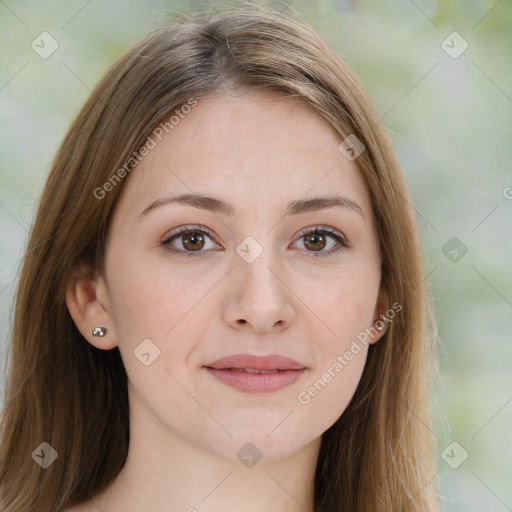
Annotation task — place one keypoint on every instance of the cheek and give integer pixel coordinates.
(340, 360)
(168, 307)
(344, 301)
(326, 396)
(152, 298)
(166, 315)
(345, 305)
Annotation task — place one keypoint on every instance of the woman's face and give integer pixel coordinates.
(246, 280)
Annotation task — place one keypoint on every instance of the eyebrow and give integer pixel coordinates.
(218, 206)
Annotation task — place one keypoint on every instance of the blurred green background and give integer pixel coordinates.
(446, 101)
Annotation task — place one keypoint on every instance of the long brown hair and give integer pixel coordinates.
(63, 391)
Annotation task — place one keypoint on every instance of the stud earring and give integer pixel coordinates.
(379, 324)
(99, 331)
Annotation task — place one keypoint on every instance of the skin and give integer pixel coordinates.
(258, 152)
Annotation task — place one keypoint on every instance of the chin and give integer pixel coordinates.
(280, 444)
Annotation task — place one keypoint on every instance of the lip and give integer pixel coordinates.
(230, 371)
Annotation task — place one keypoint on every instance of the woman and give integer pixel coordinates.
(222, 305)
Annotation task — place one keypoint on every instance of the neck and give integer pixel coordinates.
(165, 473)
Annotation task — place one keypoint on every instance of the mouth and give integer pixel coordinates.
(256, 374)
(249, 370)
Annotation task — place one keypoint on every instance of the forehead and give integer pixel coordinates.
(252, 150)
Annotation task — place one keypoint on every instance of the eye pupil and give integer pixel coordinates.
(314, 239)
(193, 238)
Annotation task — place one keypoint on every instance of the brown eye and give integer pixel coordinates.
(314, 242)
(317, 239)
(193, 241)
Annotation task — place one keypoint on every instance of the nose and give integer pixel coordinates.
(259, 297)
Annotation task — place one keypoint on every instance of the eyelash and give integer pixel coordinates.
(343, 244)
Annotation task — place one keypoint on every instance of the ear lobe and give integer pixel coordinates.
(380, 325)
(378, 329)
(84, 308)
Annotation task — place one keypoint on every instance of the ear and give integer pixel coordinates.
(88, 304)
(379, 316)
